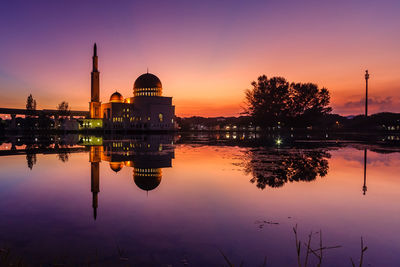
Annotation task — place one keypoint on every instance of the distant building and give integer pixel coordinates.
(146, 110)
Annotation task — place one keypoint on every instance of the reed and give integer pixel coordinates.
(318, 252)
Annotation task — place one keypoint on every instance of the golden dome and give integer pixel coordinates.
(116, 166)
(116, 98)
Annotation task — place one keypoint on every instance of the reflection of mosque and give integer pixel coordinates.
(146, 157)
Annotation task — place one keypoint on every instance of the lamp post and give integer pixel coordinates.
(366, 92)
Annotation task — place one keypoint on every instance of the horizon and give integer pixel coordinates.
(205, 54)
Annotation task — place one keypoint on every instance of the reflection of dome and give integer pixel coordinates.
(116, 166)
(147, 85)
(116, 97)
(147, 179)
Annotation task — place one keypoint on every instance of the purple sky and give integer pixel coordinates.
(206, 53)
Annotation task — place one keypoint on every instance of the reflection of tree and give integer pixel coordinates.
(63, 156)
(63, 153)
(274, 168)
(30, 156)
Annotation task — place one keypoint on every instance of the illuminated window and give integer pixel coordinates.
(160, 116)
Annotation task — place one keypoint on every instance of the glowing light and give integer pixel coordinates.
(278, 141)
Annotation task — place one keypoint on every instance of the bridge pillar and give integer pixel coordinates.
(56, 122)
(13, 121)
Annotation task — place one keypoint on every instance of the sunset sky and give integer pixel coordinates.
(206, 53)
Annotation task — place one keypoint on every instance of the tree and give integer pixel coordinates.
(31, 106)
(30, 103)
(275, 100)
(63, 109)
(266, 102)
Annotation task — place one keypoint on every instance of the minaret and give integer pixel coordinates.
(95, 105)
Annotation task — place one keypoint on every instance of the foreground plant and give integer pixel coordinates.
(318, 252)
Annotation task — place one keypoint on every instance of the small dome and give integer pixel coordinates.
(116, 97)
(116, 166)
(147, 85)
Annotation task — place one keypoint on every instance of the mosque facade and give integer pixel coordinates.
(146, 110)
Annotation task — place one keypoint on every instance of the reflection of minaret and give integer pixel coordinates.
(365, 172)
(95, 159)
(95, 104)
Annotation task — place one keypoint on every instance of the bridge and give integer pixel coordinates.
(42, 112)
(38, 150)
(13, 112)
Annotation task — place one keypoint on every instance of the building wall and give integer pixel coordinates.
(143, 113)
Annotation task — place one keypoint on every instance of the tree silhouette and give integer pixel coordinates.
(274, 168)
(276, 100)
(30, 103)
(63, 109)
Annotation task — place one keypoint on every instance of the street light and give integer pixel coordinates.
(366, 92)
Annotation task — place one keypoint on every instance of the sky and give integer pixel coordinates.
(206, 53)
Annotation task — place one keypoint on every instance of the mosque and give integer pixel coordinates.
(146, 110)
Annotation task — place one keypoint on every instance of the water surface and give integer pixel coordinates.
(161, 200)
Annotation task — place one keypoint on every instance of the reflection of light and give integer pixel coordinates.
(278, 141)
(129, 163)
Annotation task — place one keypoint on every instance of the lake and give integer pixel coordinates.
(161, 200)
